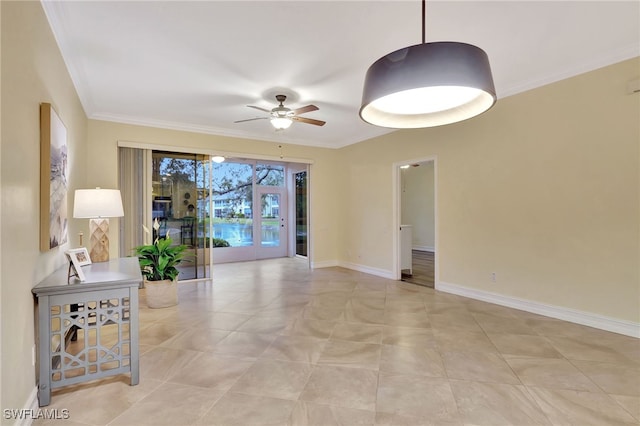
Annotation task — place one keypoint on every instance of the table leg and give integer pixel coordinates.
(44, 347)
(133, 335)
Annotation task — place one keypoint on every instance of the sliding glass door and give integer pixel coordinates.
(180, 194)
(223, 212)
(232, 211)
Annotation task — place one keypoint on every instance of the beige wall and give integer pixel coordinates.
(32, 72)
(543, 190)
(324, 183)
(417, 204)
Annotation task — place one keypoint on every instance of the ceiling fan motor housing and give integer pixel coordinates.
(281, 110)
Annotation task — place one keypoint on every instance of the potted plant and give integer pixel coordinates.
(158, 262)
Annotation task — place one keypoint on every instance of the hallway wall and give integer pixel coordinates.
(418, 204)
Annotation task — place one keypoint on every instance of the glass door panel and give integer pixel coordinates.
(270, 220)
(301, 213)
(269, 174)
(232, 203)
(179, 184)
(233, 224)
(272, 226)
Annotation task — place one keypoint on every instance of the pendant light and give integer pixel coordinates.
(428, 84)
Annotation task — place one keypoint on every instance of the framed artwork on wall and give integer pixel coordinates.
(54, 174)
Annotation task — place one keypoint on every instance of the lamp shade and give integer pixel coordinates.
(97, 203)
(426, 85)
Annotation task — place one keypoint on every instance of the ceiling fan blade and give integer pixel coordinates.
(251, 119)
(304, 109)
(308, 120)
(259, 108)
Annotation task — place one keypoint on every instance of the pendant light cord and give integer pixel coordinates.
(424, 19)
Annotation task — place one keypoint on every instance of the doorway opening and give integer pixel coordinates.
(416, 242)
(236, 210)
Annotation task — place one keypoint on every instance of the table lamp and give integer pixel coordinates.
(98, 205)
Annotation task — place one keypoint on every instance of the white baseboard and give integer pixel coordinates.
(324, 264)
(628, 328)
(30, 405)
(367, 270)
(353, 266)
(424, 248)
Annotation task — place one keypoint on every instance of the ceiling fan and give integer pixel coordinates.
(281, 117)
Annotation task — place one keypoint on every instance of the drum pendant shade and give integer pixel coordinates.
(426, 85)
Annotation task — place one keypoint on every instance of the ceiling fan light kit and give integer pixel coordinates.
(281, 117)
(427, 85)
(281, 123)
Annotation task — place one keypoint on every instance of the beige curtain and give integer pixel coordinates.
(133, 165)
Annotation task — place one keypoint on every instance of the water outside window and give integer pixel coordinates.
(270, 220)
(233, 203)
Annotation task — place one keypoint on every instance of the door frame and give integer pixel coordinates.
(294, 169)
(266, 252)
(397, 215)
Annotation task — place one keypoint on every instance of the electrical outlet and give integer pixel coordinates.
(493, 277)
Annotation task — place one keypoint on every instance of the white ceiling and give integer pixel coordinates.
(196, 65)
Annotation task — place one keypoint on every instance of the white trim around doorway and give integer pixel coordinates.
(396, 216)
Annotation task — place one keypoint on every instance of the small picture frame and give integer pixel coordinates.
(79, 256)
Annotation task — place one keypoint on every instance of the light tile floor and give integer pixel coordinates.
(272, 342)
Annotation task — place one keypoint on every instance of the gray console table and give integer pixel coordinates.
(88, 330)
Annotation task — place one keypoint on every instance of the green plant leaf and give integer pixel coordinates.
(158, 261)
